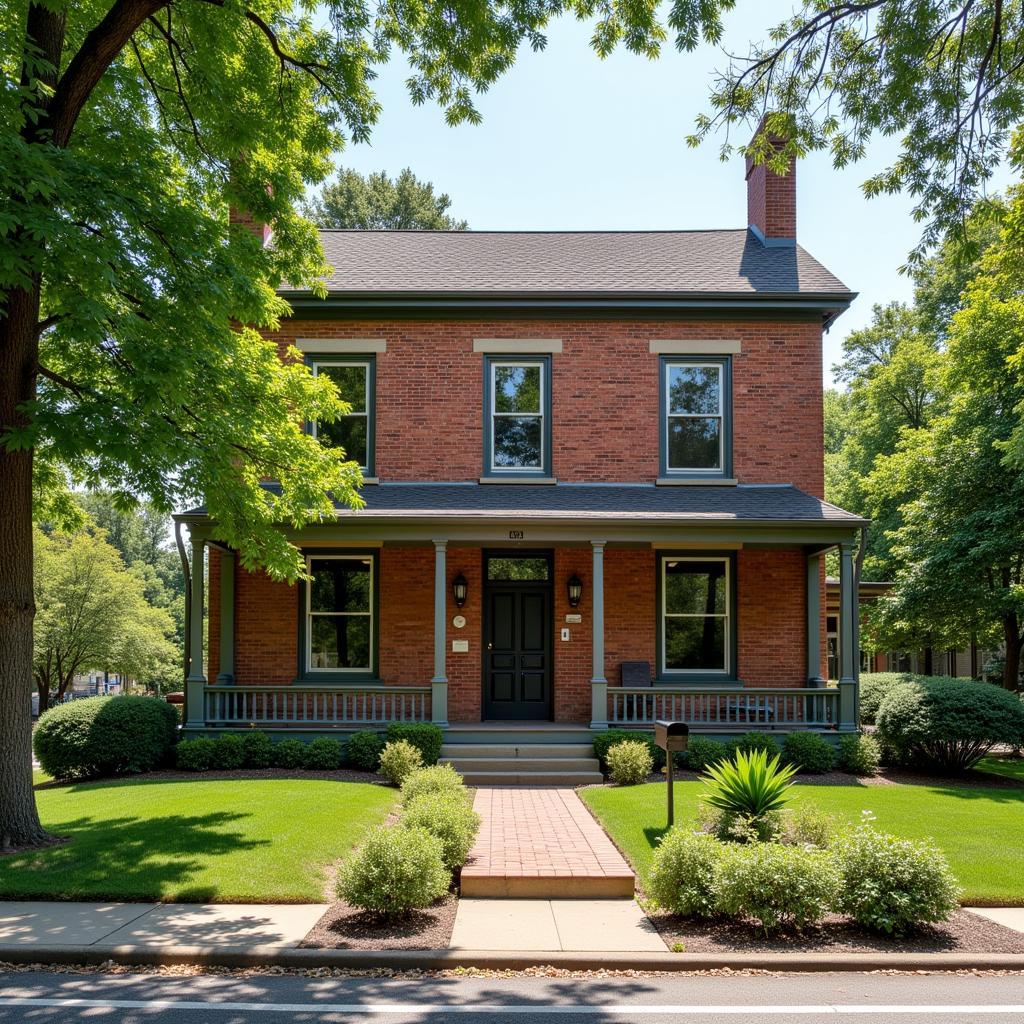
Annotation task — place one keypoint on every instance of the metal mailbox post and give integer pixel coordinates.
(672, 737)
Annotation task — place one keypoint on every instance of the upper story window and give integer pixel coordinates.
(696, 427)
(517, 411)
(339, 613)
(696, 615)
(354, 433)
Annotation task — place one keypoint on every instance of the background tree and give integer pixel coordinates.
(375, 202)
(92, 614)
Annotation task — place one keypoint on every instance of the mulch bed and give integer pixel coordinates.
(173, 775)
(345, 927)
(964, 933)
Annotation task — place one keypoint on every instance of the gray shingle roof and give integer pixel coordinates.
(565, 262)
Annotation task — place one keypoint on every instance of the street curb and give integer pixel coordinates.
(450, 959)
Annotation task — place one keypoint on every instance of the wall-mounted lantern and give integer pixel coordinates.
(459, 589)
(575, 588)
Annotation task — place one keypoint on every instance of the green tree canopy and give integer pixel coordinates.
(378, 202)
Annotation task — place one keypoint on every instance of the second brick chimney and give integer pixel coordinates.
(771, 200)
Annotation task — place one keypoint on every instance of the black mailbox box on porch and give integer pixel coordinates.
(672, 737)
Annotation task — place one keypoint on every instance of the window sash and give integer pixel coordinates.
(366, 367)
(538, 417)
(669, 416)
(725, 616)
(310, 614)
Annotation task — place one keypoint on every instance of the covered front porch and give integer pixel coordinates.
(449, 602)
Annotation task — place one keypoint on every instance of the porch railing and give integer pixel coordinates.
(315, 705)
(765, 708)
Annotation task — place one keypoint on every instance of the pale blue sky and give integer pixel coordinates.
(572, 142)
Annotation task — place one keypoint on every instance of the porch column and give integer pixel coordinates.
(848, 655)
(439, 684)
(226, 675)
(598, 682)
(814, 677)
(195, 684)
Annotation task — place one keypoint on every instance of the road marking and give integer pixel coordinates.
(616, 1010)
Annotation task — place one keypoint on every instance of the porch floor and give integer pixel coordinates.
(542, 843)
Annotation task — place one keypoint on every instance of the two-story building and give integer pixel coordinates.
(593, 470)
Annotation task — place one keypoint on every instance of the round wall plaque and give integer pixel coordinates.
(459, 621)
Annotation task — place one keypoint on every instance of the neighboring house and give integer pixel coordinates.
(582, 451)
(91, 684)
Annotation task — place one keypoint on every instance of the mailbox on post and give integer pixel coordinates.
(672, 737)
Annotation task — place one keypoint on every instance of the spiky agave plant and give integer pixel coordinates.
(750, 786)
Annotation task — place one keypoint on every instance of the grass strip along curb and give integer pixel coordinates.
(450, 959)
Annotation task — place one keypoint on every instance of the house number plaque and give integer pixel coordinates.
(459, 621)
(516, 534)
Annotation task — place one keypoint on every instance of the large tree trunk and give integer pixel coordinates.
(1011, 636)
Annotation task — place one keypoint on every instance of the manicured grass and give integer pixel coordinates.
(234, 841)
(1011, 767)
(978, 828)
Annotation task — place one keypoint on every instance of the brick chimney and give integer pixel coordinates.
(771, 199)
(246, 220)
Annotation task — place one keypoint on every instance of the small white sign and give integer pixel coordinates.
(574, 618)
(460, 647)
(459, 621)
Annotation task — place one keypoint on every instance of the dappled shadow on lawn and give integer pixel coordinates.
(126, 858)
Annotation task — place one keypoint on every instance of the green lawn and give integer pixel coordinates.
(979, 829)
(1011, 767)
(235, 841)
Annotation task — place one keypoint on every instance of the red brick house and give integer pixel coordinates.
(582, 451)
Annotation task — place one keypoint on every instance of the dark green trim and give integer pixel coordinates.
(725, 472)
(334, 678)
(727, 679)
(512, 475)
(370, 358)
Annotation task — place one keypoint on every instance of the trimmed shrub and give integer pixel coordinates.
(447, 816)
(438, 778)
(397, 870)
(809, 753)
(894, 885)
(259, 749)
(776, 885)
(196, 755)
(873, 687)
(751, 742)
(702, 753)
(947, 723)
(398, 760)
(683, 873)
(97, 736)
(604, 741)
(860, 755)
(228, 752)
(629, 763)
(289, 754)
(363, 751)
(323, 754)
(806, 824)
(424, 736)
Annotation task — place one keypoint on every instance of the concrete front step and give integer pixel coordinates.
(462, 751)
(522, 764)
(525, 777)
(566, 886)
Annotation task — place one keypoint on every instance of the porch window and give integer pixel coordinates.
(339, 613)
(517, 404)
(695, 417)
(353, 433)
(696, 619)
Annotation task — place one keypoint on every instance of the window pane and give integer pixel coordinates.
(340, 641)
(348, 434)
(517, 568)
(340, 585)
(517, 442)
(695, 588)
(517, 389)
(693, 443)
(351, 383)
(697, 643)
(694, 389)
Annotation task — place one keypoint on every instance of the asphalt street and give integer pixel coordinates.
(49, 998)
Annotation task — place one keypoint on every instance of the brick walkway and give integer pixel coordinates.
(542, 843)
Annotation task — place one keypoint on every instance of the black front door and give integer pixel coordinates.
(517, 637)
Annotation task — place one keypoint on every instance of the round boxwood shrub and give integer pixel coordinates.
(196, 755)
(448, 816)
(859, 755)
(426, 737)
(809, 753)
(258, 748)
(398, 760)
(363, 751)
(323, 755)
(752, 742)
(289, 754)
(96, 736)
(683, 873)
(604, 741)
(702, 753)
(894, 885)
(776, 885)
(873, 688)
(438, 778)
(229, 752)
(397, 870)
(629, 763)
(948, 724)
